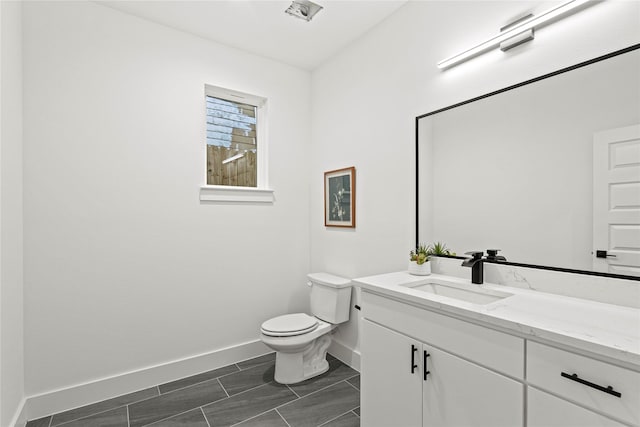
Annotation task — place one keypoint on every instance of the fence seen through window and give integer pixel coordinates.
(231, 143)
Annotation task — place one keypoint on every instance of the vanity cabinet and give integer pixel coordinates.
(507, 364)
(454, 392)
(390, 384)
(545, 410)
(596, 386)
(476, 375)
(460, 393)
(420, 368)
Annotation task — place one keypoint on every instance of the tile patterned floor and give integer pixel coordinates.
(243, 394)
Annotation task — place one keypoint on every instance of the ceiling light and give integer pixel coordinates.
(303, 9)
(525, 26)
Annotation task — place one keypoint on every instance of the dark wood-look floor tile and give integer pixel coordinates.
(322, 406)
(245, 405)
(193, 418)
(268, 419)
(337, 372)
(355, 381)
(195, 379)
(347, 420)
(250, 363)
(40, 422)
(105, 405)
(113, 418)
(357, 411)
(248, 378)
(175, 402)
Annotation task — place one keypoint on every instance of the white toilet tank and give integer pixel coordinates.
(330, 297)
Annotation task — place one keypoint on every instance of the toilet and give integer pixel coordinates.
(301, 340)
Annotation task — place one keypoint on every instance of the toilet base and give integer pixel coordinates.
(292, 368)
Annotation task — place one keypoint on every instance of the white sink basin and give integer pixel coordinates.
(469, 293)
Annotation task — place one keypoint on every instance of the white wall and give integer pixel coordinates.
(124, 267)
(11, 262)
(366, 98)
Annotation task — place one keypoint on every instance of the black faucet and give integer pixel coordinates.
(492, 255)
(476, 262)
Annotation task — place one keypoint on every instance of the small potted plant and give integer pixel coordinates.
(419, 261)
(439, 248)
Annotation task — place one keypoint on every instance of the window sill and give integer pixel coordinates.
(218, 193)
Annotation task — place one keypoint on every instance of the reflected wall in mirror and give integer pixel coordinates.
(515, 170)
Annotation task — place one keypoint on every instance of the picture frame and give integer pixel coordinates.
(340, 198)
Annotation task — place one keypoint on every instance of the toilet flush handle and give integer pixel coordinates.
(309, 284)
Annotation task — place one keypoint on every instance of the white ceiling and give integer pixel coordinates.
(262, 27)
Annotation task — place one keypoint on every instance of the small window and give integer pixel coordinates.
(233, 138)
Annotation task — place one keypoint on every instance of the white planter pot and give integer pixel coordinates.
(420, 270)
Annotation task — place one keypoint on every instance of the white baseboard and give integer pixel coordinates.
(20, 417)
(55, 401)
(345, 354)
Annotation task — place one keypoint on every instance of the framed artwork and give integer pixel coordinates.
(340, 198)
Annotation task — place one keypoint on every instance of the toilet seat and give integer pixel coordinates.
(289, 325)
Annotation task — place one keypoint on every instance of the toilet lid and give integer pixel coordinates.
(289, 324)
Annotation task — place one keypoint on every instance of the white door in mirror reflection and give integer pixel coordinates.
(616, 200)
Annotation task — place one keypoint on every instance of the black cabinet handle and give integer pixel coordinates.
(413, 358)
(426, 371)
(608, 389)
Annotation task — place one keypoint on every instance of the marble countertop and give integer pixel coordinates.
(608, 330)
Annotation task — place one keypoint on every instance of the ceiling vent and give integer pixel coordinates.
(303, 9)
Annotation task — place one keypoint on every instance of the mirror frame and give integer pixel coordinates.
(508, 88)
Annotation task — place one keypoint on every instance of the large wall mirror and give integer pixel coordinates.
(515, 170)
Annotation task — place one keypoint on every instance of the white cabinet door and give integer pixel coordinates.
(460, 393)
(390, 392)
(545, 410)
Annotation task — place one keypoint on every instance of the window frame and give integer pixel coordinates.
(229, 193)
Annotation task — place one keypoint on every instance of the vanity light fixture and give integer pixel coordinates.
(303, 9)
(520, 31)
